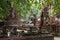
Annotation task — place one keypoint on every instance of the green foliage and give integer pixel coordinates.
(25, 6)
(4, 9)
(57, 6)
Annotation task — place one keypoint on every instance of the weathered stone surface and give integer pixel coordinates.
(36, 37)
(13, 19)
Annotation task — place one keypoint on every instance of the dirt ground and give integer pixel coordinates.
(56, 38)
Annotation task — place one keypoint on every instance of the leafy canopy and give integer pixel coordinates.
(25, 6)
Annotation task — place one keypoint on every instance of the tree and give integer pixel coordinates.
(24, 6)
(4, 9)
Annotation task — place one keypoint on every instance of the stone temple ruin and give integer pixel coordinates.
(13, 19)
(12, 23)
